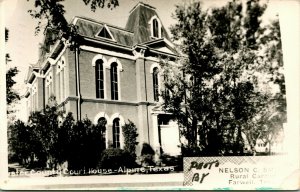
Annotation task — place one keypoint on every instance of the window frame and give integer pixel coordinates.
(119, 70)
(114, 81)
(155, 28)
(159, 27)
(99, 72)
(155, 81)
(116, 133)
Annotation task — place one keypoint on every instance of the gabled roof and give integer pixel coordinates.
(91, 28)
(104, 32)
(138, 22)
(31, 73)
(162, 45)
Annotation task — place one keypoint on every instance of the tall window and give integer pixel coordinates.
(34, 97)
(155, 28)
(114, 81)
(102, 125)
(167, 91)
(60, 81)
(99, 79)
(116, 133)
(155, 84)
(49, 86)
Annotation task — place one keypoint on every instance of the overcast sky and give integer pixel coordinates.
(23, 44)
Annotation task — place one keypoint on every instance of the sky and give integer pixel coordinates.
(23, 44)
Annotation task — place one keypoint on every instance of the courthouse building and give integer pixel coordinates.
(114, 74)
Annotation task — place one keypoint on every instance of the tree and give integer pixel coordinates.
(21, 143)
(130, 138)
(45, 126)
(86, 144)
(217, 92)
(11, 94)
(52, 13)
(51, 138)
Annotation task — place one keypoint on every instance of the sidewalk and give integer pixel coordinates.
(137, 181)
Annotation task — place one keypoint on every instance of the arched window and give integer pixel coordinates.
(155, 28)
(114, 81)
(102, 126)
(99, 79)
(116, 133)
(155, 84)
(102, 121)
(167, 92)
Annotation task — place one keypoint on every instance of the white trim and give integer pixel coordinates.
(143, 4)
(60, 87)
(58, 67)
(34, 96)
(97, 117)
(116, 115)
(159, 78)
(114, 59)
(155, 59)
(106, 52)
(122, 122)
(49, 85)
(37, 74)
(54, 61)
(60, 54)
(159, 26)
(156, 144)
(101, 57)
(153, 66)
(169, 43)
(75, 19)
(51, 61)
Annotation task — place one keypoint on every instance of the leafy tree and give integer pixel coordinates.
(147, 155)
(63, 146)
(50, 139)
(130, 138)
(52, 13)
(217, 92)
(21, 143)
(45, 127)
(87, 142)
(11, 94)
(114, 158)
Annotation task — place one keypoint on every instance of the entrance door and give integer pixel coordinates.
(169, 135)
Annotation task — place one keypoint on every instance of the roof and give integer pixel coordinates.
(90, 28)
(31, 73)
(138, 22)
(136, 31)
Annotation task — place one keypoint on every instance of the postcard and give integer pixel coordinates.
(111, 94)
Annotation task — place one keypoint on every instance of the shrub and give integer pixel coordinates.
(115, 158)
(147, 155)
(130, 138)
(176, 161)
(86, 145)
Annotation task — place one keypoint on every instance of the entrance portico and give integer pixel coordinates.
(166, 139)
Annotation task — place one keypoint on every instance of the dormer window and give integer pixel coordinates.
(105, 33)
(155, 27)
